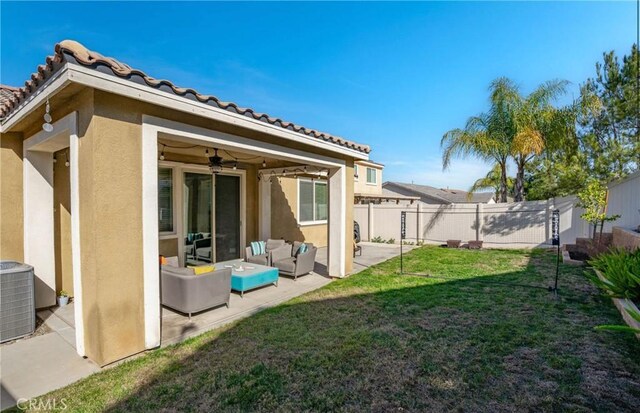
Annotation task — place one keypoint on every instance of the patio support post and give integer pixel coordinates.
(152, 312)
(336, 264)
(265, 207)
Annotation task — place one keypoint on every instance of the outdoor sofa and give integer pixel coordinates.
(188, 293)
(265, 259)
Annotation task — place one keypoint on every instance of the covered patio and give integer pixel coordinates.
(126, 168)
(177, 327)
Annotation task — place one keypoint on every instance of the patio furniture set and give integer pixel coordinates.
(197, 288)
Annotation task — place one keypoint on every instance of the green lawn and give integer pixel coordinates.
(475, 337)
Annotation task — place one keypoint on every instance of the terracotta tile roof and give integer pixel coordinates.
(69, 51)
(6, 94)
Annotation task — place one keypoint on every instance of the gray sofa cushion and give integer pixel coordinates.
(287, 265)
(262, 259)
(274, 243)
(178, 270)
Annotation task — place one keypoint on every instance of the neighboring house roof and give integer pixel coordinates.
(69, 51)
(6, 94)
(446, 196)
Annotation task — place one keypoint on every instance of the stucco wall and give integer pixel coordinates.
(111, 232)
(62, 223)
(284, 215)
(11, 214)
(253, 203)
(168, 247)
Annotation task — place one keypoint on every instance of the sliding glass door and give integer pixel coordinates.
(227, 213)
(212, 217)
(198, 214)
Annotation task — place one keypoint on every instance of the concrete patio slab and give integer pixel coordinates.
(176, 327)
(39, 365)
(64, 327)
(374, 253)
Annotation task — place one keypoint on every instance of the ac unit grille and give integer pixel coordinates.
(17, 300)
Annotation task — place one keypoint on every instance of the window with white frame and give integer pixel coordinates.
(313, 201)
(165, 200)
(355, 172)
(372, 177)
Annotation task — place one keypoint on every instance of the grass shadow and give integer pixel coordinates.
(470, 339)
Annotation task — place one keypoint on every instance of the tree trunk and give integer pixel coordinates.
(519, 195)
(503, 182)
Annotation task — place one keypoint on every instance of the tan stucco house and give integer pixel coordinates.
(104, 168)
(368, 178)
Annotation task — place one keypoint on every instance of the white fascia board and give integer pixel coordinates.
(113, 84)
(51, 86)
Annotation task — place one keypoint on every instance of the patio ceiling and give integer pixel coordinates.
(194, 151)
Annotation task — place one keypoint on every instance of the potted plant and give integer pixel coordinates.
(63, 298)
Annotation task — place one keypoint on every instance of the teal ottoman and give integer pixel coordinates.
(250, 278)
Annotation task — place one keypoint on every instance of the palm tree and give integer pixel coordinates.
(534, 122)
(491, 181)
(486, 136)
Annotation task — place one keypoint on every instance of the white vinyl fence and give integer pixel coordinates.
(512, 225)
(624, 200)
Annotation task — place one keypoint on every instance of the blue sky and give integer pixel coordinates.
(393, 75)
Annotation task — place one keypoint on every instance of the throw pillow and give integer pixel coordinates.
(302, 249)
(202, 269)
(258, 248)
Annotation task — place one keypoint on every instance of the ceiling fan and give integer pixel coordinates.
(216, 162)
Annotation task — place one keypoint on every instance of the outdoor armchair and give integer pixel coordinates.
(188, 293)
(265, 259)
(295, 264)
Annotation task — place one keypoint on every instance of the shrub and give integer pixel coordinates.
(377, 239)
(391, 241)
(609, 327)
(621, 272)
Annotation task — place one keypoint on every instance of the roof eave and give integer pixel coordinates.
(58, 80)
(91, 78)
